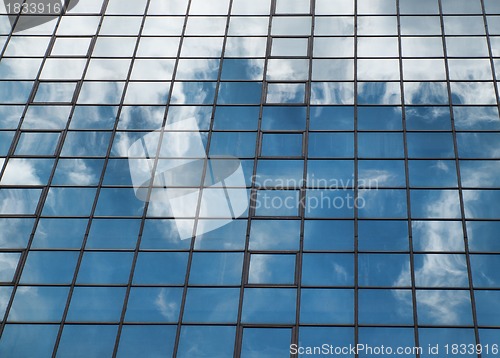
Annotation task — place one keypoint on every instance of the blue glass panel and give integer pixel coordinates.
(380, 118)
(272, 269)
(15, 91)
(327, 270)
(332, 93)
(478, 145)
(9, 261)
(240, 92)
(277, 203)
(431, 337)
(311, 338)
(426, 93)
(430, 145)
(105, 267)
(19, 201)
(38, 304)
(325, 145)
(383, 235)
(87, 341)
(266, 342)
(269, 305)
(482, 204)
(325, 235)
(143, 117)
(117, 173)
(384, 203)
(428, 118)
(161, 268)
(211, 305)
(113, 234)
(441, 270)
(433, 173)
(37, 143)
(242, 69)
(119, 202)
(60, 233)
(49, 267)
(206, 342)
(5, 293)
(443, 307)
(476, 118)
(86, 144)
(14, 233)
(148, 341)
(380, 173)
(96, 304)
(488, 307)
(235, 144)
(385, 307)
(27, 172)
(93, 117)
(79, 172)
(438, 236)
(379, 93)
(229, 237)
(390, 338)
(236, 118)
(10, 120)
(327, 306)
(483, 236)
(380, 145)
(217, 268)
(489, 337)
(23, 340)
(485, 271)
(284, 118)
(263, 235)
(280, 174)
(435, 204)
(335, 203)
(192, 93)
(330, 174)
(5, 142)
(480, 173)
(390, 270)
(279, 145)
(163, 234)
(69, 202)
(332, 118)
(158, 304)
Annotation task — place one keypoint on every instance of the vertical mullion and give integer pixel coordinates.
(460, 189)
(253, 189)
(202, 183)
(407, 184)
(303, 189)
(355, 184)
(490, 54)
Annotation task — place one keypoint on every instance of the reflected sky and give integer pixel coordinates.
(323, 105)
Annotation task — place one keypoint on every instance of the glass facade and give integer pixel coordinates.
(250, 178)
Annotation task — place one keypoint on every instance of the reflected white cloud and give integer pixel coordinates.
(20, 172)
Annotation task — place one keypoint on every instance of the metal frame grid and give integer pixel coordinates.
(240, 325)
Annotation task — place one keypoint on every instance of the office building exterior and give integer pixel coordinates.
(264, 178)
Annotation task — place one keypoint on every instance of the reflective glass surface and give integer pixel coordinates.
(235, 178)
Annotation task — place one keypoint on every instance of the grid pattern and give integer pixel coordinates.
(368, 133)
